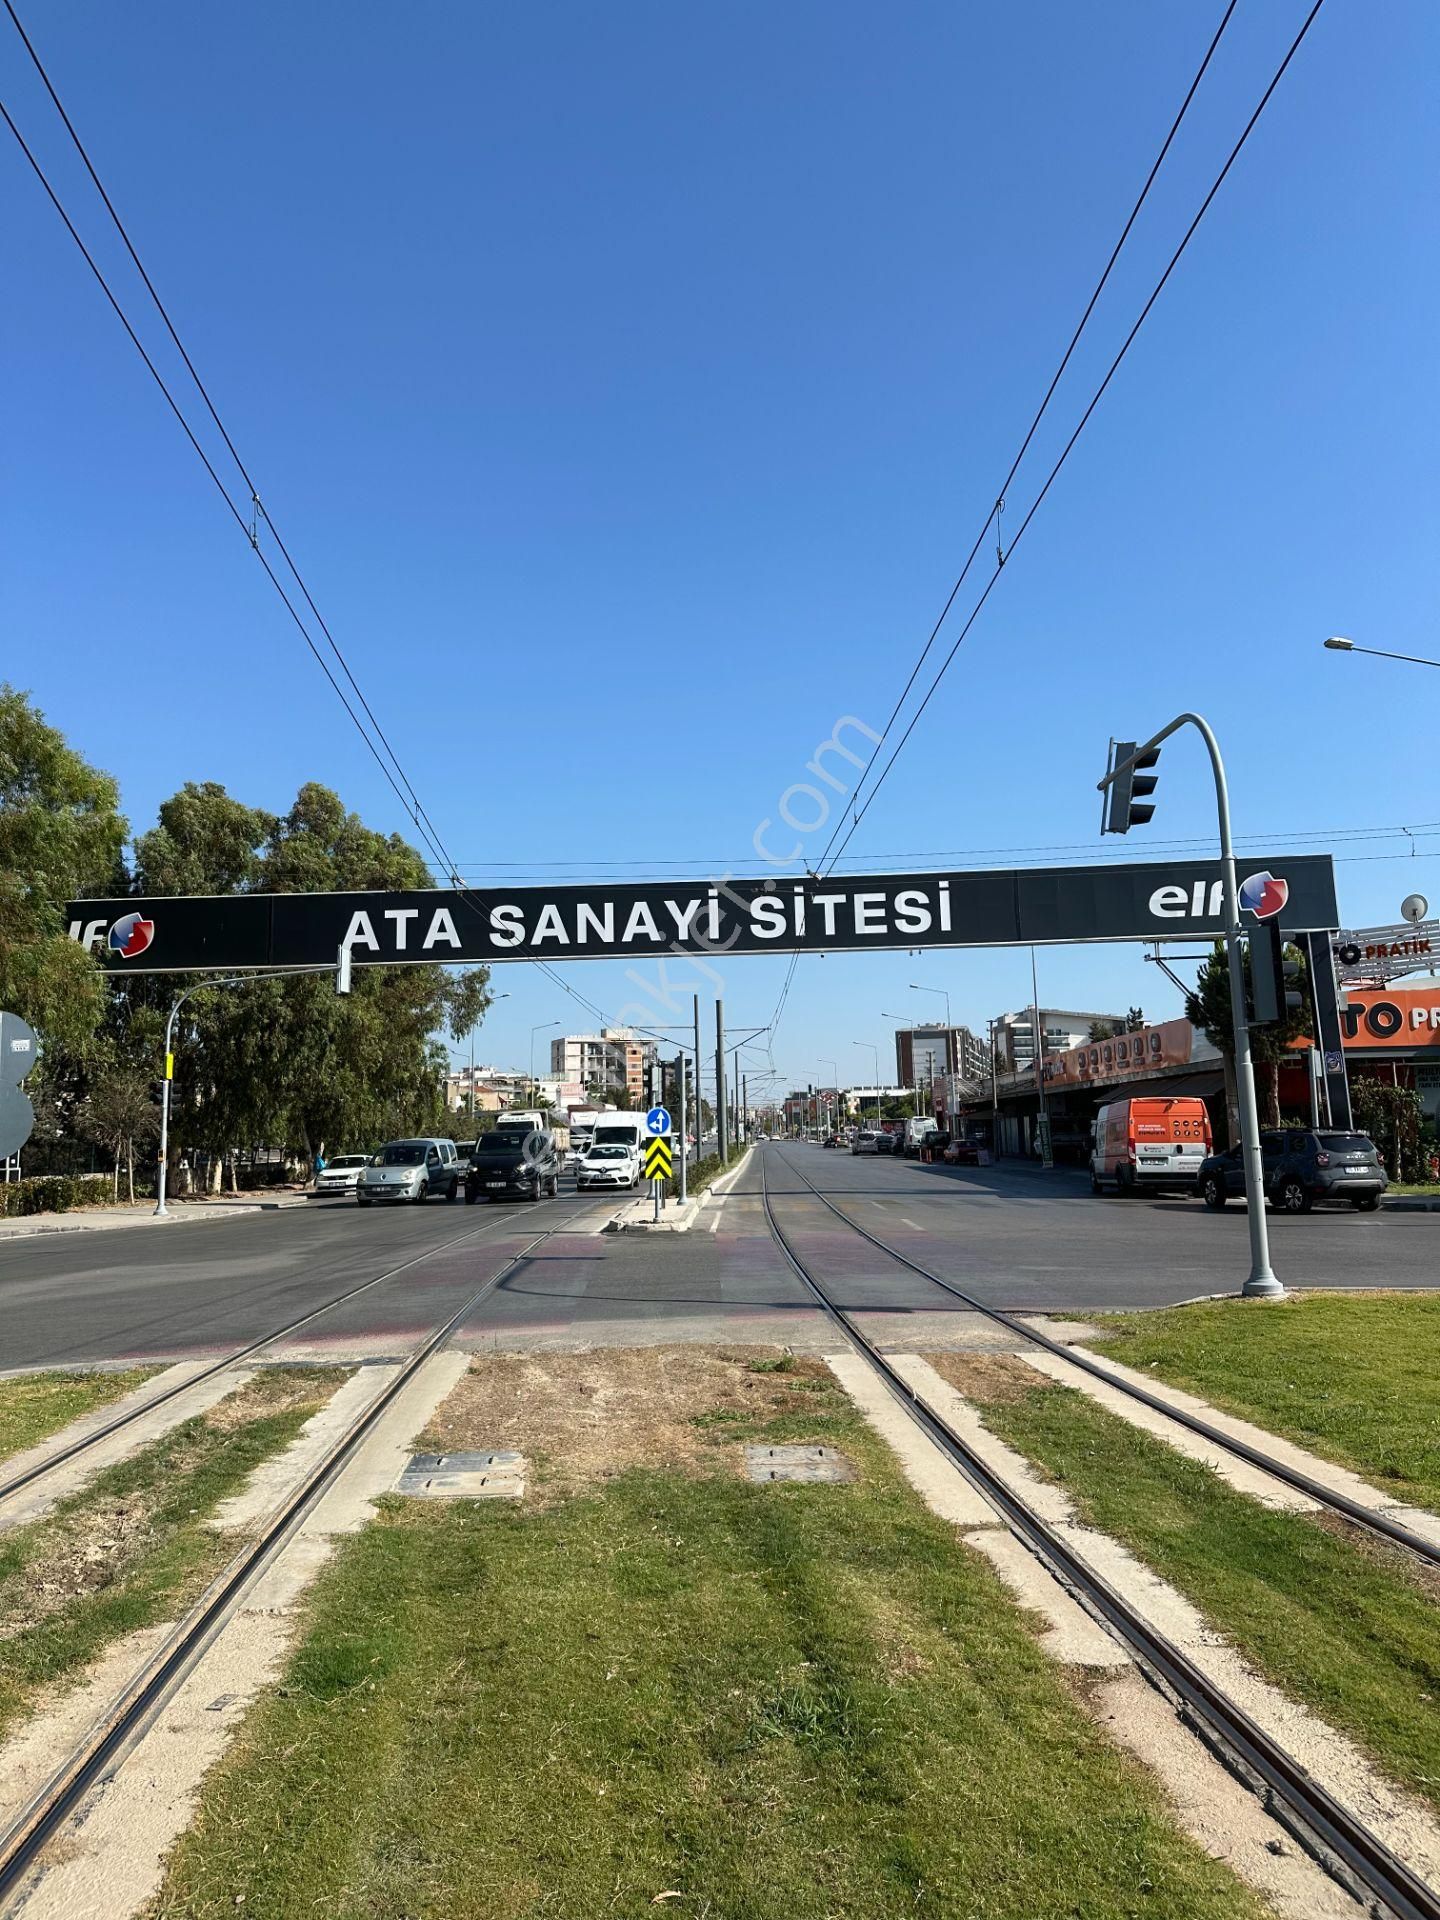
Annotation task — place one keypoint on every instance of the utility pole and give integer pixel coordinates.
(680, 1077)
(1047, 1158)
(721, 1119)
(699, 1076)
(745, 1108)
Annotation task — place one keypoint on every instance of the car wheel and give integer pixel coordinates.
(1292, 1197)
(363, 1199)
(452, 1191)
(554, 1186)
(1212, 1192)
(1365, 1202)
(1096, 1184)
(422, 1193)
(470, 1198)
(1125, 1183)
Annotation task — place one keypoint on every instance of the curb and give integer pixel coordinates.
(1409, 1203)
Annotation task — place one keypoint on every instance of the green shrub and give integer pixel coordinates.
(53, 1193)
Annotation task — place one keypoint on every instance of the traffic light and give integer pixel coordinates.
(1274, 981)
(342, 971)
(1130, 804)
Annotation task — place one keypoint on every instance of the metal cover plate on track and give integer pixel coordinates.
(797, 1463)
(464, 1476)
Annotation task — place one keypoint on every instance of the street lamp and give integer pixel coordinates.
(1338, 644)
(876, 1051)
(493, 998)
(831, 1121)
(943, 995)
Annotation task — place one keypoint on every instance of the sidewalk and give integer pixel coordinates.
(142, 1214)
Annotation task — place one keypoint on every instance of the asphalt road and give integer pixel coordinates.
(1013, 1236)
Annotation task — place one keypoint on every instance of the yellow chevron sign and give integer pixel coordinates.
(658, 1162)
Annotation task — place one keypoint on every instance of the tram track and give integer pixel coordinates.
(40, 1470)
(1319, 1821)
(132, 1710)
(1383, 1525)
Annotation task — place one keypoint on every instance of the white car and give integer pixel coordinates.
(608, 1166)
(342, 1174)
(865, 1142)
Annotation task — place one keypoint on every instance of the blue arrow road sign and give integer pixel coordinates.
(657, 1120)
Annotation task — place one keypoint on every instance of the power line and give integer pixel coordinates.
(993, 517)
(414, 807)
(1083, 422)
(205, 460)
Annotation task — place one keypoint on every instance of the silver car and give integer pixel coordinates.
(410, 1170)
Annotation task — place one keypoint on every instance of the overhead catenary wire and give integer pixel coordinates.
(414, 806)
(1001, 553)
(858, 815)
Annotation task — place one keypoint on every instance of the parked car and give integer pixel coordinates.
(342, 1174)
(961, 1152)
(1149, 1144)
(410, 1170)
(613, 1164)
(887, 1142)
(1299, 1167)
(933, 1146)
(514, 1163)
(864, 1142)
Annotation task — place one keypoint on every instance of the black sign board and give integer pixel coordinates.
(1158, 900)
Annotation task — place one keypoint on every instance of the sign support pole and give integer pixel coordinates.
(681, 1065)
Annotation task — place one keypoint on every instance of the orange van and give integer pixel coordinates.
(1147, 1144)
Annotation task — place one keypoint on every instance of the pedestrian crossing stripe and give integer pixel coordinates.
(658, 1162)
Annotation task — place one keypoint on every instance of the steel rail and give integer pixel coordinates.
(83, 1445)
(1379, 1523)
(148, 1689)
(1321, 1823)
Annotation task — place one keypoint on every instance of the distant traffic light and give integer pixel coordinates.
(1274, 981)
(1129, 804)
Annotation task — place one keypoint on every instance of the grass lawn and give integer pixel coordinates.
(677, 1692)
(1350, 1629)
(132, 1548)
(42, 1403)
(1354, 1377)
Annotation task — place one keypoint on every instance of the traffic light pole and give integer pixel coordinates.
(1262, 1283)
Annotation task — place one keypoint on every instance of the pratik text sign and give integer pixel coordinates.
(1042, 905)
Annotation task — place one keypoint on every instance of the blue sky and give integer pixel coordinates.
(630, 382)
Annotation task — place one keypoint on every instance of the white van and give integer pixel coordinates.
(915, 1131)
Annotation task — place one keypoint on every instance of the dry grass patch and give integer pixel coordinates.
(989, 1379)
(583, 1419)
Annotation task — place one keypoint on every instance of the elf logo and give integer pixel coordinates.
(1263, 895)
(131, 936)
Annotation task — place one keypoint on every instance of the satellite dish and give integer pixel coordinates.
(1414, 907)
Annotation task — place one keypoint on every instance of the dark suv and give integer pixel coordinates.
(511, 1164)
(1298, 1168)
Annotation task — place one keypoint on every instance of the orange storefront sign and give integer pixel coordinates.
(1172, 1043)
(1400, 1017)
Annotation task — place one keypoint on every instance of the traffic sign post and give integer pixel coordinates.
(658, 1163)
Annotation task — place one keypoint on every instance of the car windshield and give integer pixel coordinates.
(510, 1141)
(345, 1160)
(1347, 1142)
(622, 1134)
(608, 1153)
(404, 1153)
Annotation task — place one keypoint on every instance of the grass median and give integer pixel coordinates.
(39, 1404)
(1344, 1624)
(1353, 1377)
(664, 1688)
(133, 1548)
